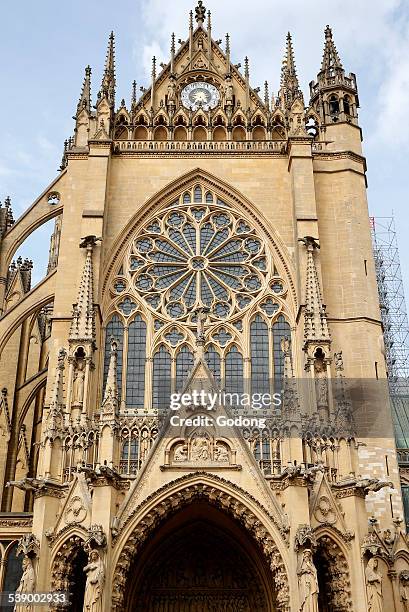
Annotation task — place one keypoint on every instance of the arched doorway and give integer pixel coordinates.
(200, 560)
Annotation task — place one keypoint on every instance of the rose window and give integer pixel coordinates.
(196, 254)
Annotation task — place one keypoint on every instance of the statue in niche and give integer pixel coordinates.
(171, 92)
(27, 584)
(78, 381)
(201, 320)
(374, 586)
(321, 383)
(228, 91)
(308, 583)
(95, 573)
(199, 450)
(145, 446)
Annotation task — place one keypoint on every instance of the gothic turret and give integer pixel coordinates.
(334, 96)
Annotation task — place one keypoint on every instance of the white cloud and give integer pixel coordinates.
(371, 36)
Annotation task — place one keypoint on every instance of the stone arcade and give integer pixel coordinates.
(207, 236)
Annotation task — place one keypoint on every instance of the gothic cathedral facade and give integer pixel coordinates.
(208, 236)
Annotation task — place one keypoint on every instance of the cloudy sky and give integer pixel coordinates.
(46, 45)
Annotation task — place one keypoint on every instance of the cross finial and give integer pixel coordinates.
(200, 12)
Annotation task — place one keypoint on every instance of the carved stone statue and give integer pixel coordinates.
(78, 384)
(180, 453)
(228, 91)
(95, 583)
(171, 92)
(27, 584)
(202, 315)
(404, 589)
(221, 454)
(374, 586)
(321, 384)
(308, 583)
(199, 450)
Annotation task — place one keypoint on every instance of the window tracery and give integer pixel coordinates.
(197, 252)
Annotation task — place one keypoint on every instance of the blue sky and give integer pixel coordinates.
(45, 46)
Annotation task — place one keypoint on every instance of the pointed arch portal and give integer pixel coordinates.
(200, 560)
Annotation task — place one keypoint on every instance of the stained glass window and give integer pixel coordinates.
(161, 386)
(14, 570)
(281, 331)
(135, 373)
(196, 255)
(260, 358)
(212, 358)
(184, 365)
(234, 372)
(114, 329)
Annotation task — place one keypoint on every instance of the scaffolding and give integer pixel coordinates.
(395, 325)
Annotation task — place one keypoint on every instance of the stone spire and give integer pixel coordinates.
(247, 79)
(55, 414)
(172, 54)
(266, 96)
(315, 318)
(110, 401)
(228, 60)
(83, 318)
(289, 87)
(108, 80)
(85, 98)
(335, 95)
(330, 61)
(153, 82)
(133, 95)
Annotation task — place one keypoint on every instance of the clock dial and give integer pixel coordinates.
(201, 95)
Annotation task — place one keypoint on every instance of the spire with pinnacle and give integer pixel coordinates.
(55, 414)
(108, 80)
(83, 318)
(334, 96)
(330, 61)
(289, 87)
(85, 98)
(315, 318)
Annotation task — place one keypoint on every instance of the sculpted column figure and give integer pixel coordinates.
(374, 586)
(95, 583)
(308, 583)
(404, 589)
(27, 584)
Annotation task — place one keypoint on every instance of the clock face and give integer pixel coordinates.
(201, 95)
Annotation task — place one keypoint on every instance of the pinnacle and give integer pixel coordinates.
(330, 58)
